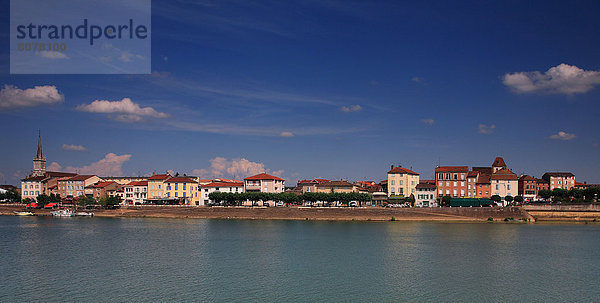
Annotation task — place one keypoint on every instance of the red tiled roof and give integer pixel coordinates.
(472, 174)
(425, 185)
(80, 177)
(504, 174)
(53, 186)
(159, 177)
(526, 178)
(180, 180)
(336, 183)
(483, 179)
(38, 178)
(499, 162)
(223, 184)
(559, 174)
(102, 184)
(263, 176)
(454, 169)
(137, 183)
(401, 170)
(59, 174)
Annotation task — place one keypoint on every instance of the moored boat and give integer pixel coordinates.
(23, 213)
(84, 214)
(63, 213)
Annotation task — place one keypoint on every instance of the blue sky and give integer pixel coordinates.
(332, 89)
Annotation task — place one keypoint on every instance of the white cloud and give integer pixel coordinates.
(351, 108)
(110, 165)
(562, 79)
(428, 121)
(237, 168)
(287, 134)
(563, 136)
(13, 97)
(418, 79)
(166, 59)
(54, 166)
(124, 110)
(52, 55)
(74, 147)
(485, 129)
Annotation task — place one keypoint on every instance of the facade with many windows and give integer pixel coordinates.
(402, 181)
(451, 181)
(223, 187)
(563, 180)
(183, 189)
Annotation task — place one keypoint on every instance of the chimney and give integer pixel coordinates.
(392, 166)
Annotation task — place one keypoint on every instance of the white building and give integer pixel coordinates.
(426, 195)
(219, 186)
(135, 192)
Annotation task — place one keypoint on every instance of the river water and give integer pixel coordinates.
(140, 260)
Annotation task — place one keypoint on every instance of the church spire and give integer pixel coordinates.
(40, 154)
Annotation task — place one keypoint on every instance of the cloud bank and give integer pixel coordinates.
(124, 110)
(13, 97)
(486, 129)
(236, 168)
(110, 165)
(562, 79)
(74, 147)
(351, 108)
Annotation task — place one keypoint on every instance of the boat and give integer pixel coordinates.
(63, 213)
(23, 213)
(84, 214)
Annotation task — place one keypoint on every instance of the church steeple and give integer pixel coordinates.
(39, 161)
(40, 154)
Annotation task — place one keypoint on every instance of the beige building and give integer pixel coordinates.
(75, 186)
(402, 181)
(504, 183)
(31, 187)
(156, 186)
(124, 180)
(308, 186)
(340, 186)
(264, 183)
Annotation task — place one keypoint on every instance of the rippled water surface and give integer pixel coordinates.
(138, 260)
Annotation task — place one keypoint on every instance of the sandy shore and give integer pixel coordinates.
(464, 214)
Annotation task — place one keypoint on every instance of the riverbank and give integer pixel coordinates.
(462, 214)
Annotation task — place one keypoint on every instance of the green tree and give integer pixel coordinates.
(519, 199)
(545, 194)
(85, 200)
(446, 200)
(496, 198)
(508, 199)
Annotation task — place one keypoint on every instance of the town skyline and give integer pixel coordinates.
(339, 90)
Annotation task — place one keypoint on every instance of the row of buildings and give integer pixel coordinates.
(453, 181)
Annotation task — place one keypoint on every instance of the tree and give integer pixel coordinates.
(508, 199)
(85, 200)
(496, 198)
(446, 200)
(545, 194)
(43, 199)
(109, 201)
(519, 199)
(11, 196)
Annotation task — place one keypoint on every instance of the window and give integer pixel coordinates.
(401, 182)
(497, 186)
(462, 183)
(176, 185)
(508, 186)
(184, 186)
(440, 183)
(447, 183)
(455, 183)
(454, 192)
(176, 194)
(184, 194)
(393, 182)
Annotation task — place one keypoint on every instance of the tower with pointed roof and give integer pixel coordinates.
(39, 160)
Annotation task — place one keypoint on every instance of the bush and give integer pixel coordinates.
(490, 219)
